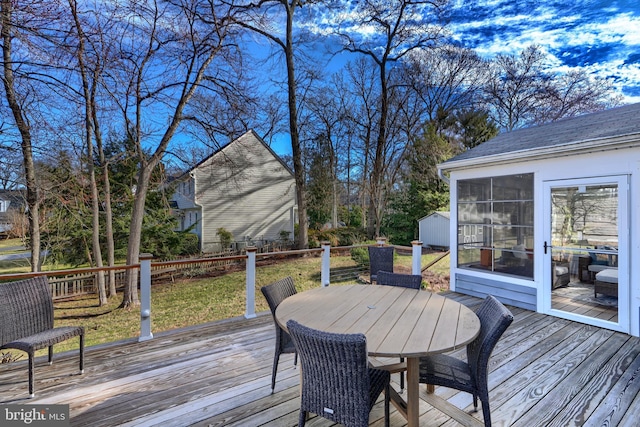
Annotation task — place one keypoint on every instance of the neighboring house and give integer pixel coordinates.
(543, 210)
(244, 188)
(11, 204)
(433, 230)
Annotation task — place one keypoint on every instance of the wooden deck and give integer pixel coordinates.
(544, 372)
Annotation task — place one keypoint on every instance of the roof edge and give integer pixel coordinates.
(583, 147)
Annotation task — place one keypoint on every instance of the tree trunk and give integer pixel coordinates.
(130, 297)
(111, 260)
(33, 200)
(377, 175)
(303, 227)
(89, 115)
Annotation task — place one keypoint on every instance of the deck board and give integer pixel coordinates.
(544, 371)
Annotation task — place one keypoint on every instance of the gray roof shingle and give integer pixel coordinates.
(611, 123)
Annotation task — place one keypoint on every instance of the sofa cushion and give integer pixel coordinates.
(609, 275)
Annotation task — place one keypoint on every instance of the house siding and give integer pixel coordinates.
(598, 165)
(509, 293)
(245, 189)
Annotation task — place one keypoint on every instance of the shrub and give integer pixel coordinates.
(225, 237)
(190, 244)
(343, 236)
(361, 254)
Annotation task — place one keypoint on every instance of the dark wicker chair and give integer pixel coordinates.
(275, 293)
(471, 376)
(26, 321)
(413, 281)
(380, 258)
(337, 383)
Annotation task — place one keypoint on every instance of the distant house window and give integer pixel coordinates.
(495, 224)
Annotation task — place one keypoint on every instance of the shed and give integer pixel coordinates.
(433, 230)
(545, 218)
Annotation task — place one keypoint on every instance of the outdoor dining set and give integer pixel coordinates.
(351, 338)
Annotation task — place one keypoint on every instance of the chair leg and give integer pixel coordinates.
(401, 377)
(50, 355)
(295, 359)
(386, 405)
(82, 354)
(276, 359)
(475, 402)
(486, 413)
(302, 419)
(31, 393)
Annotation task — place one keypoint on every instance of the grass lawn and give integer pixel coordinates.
(187, 302)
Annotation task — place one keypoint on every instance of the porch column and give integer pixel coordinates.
(326, 268)
(250, 308)
(416, 252)
(145, 297)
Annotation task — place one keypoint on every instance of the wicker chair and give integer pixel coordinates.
(26, 321)
(380, 258)
(275, 293)
(412, 281)
(471, 376)
(337, 383)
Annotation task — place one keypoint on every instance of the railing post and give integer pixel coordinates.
(250, 310)
(145, 297)
(326, 263)
(416, 252)
(381, 241)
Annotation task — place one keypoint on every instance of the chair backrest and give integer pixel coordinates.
(495, 318)
(335, 377)
(413, 281)
(380, 258)
(26, 308)
(277, 291)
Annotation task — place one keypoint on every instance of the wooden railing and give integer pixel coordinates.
(66, 283)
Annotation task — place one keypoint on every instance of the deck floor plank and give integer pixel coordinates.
(544, 371)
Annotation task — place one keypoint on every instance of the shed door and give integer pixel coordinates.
(586, 246)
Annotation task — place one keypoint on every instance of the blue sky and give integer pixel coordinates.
(602, 36)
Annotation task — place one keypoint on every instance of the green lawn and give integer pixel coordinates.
(189, 302)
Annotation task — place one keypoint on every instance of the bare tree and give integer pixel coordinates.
(516, 87)
(16, 101)
(362, 98)
(575, 93)
(88, 95)
(165, 50)
(261, 18)
(390, 31)
(446, 77)
(524, 90)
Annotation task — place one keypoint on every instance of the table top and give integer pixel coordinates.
(398, 322)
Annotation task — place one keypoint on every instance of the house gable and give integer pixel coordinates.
(246, 189)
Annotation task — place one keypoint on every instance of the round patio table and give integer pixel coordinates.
(398, 322)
